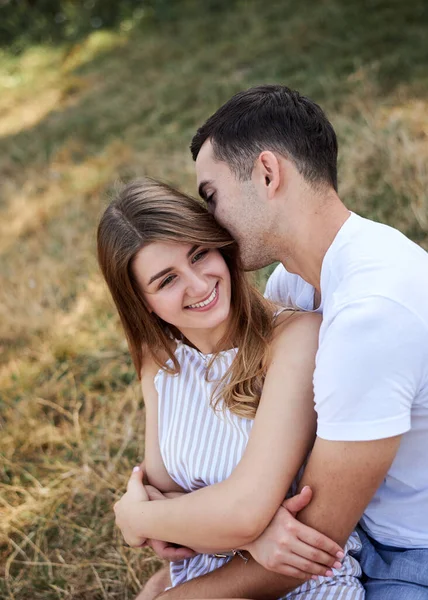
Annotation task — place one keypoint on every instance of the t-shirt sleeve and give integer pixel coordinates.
(286, 288)
(277, 285)
(369, 366)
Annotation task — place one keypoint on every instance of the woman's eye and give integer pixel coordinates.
(166, 281)
(199, 255)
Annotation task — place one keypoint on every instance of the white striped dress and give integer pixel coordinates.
(201, 447)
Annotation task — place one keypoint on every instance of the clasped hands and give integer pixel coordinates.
(286, 546)
(128, 513)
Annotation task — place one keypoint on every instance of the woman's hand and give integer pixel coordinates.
(128, 509)
(166, 550)
(155, 494)
(292, 548)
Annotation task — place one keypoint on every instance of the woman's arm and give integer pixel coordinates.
(236, 511)
(154, 467)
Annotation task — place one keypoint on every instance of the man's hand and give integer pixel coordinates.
(291, 548)
(128, 509)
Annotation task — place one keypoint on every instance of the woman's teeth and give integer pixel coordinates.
(205, 302)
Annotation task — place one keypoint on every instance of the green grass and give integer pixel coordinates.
(76, 119)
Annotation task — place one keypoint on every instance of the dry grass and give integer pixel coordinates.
(120, 104)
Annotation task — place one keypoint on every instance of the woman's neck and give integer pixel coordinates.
(207, 340)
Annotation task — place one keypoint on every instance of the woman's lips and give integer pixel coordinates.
(208, 306)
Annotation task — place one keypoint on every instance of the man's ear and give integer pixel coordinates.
(268, 172)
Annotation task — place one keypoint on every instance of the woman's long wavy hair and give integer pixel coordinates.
(148, 211)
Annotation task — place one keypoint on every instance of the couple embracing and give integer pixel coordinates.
(286, 435)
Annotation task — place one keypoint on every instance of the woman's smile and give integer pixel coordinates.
(187, 286)
(207, 303)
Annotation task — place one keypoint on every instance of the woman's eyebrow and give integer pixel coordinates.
(159, 275)
(168, 269)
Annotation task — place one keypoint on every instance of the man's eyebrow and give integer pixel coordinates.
(201, 189)
(168, 269)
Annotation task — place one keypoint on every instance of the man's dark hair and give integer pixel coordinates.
(275, 118)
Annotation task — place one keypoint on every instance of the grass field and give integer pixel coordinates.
(74, 120)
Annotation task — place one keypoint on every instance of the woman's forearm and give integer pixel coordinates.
(209, 519)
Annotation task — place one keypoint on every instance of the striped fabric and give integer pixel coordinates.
(201, 447)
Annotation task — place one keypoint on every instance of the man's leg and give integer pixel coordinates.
(155, 585)
(377, 589)
(392, 573)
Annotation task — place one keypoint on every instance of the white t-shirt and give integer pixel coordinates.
(371, 374)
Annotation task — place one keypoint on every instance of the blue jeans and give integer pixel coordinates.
(393, 573)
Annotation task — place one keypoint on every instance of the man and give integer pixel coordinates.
(266, 166)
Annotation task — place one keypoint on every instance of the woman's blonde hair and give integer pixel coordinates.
(148, 211)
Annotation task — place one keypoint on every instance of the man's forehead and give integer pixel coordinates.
(205, 162)
(206, 152)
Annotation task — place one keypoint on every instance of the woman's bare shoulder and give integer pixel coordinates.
(150, 366)
(295, 323)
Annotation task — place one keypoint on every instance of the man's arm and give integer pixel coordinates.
(236, 579)
(368, 371)
(353, 470)
(344, 477)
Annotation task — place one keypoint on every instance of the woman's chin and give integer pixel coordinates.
(218, 319)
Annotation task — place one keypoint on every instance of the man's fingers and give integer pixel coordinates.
(319, 541)
(299, 501)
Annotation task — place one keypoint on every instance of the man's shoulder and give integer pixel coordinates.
(381, 264)
(379, 246)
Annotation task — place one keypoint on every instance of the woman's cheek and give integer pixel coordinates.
(170, 306)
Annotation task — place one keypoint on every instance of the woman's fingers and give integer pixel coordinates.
(290, 571)
(316, 556)
(182, 553)
(289, 561)
(298, 502)
(154, 493)
(167, 551)
(318, 540)
(308, 566)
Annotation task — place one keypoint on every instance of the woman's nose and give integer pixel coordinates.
(197, 286)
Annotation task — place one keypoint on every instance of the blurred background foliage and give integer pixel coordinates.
(26, 22)
(99, 92)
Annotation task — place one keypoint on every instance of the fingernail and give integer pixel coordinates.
(305, 488)
(135, 469)
(314, 577)
(329, 573)
(340, 555)
(337, 565)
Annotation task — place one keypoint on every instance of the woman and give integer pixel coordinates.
(211, 352)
